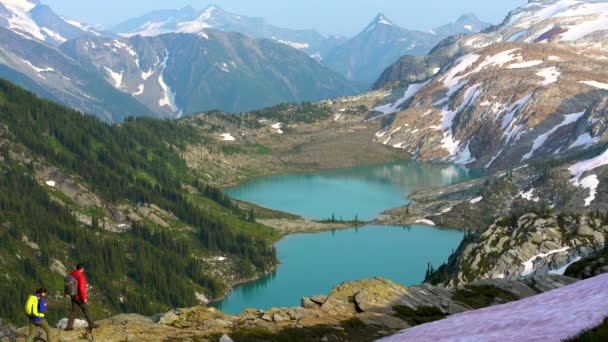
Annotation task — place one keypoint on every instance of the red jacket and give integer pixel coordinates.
(81, 282)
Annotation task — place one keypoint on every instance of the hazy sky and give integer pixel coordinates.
(345, 17)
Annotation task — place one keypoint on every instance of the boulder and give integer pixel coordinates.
(168, 318)
(225, 338)
(319, 299)
(307, 303)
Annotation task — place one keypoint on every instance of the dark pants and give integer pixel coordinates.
(78, 303)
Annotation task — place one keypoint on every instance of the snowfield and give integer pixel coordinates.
(551, 317)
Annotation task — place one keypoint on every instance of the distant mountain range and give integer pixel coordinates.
(361, 58)
(165, 76)
(189, 20)
(179, 62)
(381, 43)
(176, 74)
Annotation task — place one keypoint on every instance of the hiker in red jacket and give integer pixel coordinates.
(80, 300)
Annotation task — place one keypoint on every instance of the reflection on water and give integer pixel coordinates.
(363, 191)
(315, 263)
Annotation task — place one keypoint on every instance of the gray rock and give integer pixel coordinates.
(225, 338)
(168, 318)
(381, 320)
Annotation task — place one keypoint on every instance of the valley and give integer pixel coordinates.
(231, 180)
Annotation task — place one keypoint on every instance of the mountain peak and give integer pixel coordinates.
(382, 19)
(20, 5)
(468, 17)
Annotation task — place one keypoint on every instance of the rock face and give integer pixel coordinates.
(505, 96)
(532, 245)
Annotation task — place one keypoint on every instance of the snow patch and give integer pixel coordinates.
(51, 183)
(595, 84)
(583, 140)
(227, 137)
(529, 264)
(426, 222)
(551, 75)
(140, 90)
(56, 36)
(591, 183)
(451, 79)
(278, 126)
(562, 270)
(116, 77)
(541, 139)
(37, 69)
(581, 167)
(168, 96)
(411, 90)
(476, 200)
(294, 45)
(529, 195)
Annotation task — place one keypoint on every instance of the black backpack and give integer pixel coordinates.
(70, 288)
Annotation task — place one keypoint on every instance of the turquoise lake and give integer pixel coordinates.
(315, 263)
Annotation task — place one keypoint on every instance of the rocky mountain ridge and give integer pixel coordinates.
(488, 103)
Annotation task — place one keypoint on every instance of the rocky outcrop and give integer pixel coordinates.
(521, 247)
(368, 306)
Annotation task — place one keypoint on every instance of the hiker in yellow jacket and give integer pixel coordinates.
(35, 307)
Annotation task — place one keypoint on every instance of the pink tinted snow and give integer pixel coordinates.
(551, 316)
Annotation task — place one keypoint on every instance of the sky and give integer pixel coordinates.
(345, 17)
